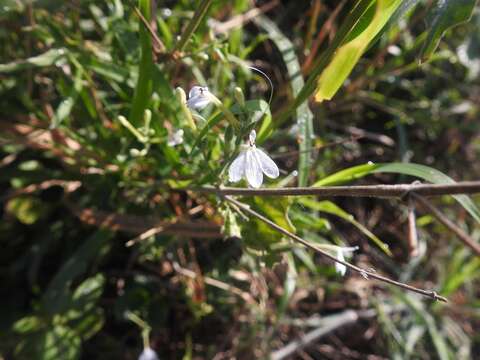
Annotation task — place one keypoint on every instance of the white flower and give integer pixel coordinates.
(176, 138)
(198, 97)
(340, 251)
(251, 164)
(148, 354)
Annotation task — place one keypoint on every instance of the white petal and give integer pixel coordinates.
(196, 90)
(148, 354)
(176, 138)
(237, 169)
(340, 268)
(197, 98)
(269, 168)
(252, 137)
(253, 171)
(198, 102)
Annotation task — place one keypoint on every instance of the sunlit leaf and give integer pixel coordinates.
(358, 40)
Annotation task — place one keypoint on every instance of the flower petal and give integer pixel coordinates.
(267, 164)
(196, 90)
(340, 268)
(252, 137)
(197, 98)
(198, 102)
(253, 171)
(237, 169)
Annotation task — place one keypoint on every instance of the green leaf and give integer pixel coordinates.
(333, 209)
(59, 342)
(460, 270)
(66, 105)
(86, 295)
(48, 58)
(27, 324)
(259, 234)
(27, 209)
(57, 296)
(144, 88)
(347, 55)
(421, 171)
(448, 13)
(304, 115)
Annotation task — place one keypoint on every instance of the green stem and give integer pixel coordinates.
(144, 87)
(192, 26)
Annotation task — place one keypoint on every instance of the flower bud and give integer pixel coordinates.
(180, 94)
(238, 92)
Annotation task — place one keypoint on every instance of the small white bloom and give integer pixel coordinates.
(340, 253)
(148, 354)
(198, 97)
(251, 164)
(176, 138)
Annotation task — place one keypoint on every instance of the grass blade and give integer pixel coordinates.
(304, 115)
(144, 88)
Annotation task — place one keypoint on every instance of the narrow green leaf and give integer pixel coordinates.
(144, 87)
(421, 171)
(304, 115)
(333, 209)
(198, 16)
(48, 58)
(424, 316)
(448, 13)
(357, 42)
(66, 105)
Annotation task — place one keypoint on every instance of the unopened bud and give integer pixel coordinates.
(238, 92)
(180, 94)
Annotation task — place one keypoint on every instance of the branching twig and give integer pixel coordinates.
(365, 273)
(381, 191)
(465, 238)
(152, 32)
(242, 19)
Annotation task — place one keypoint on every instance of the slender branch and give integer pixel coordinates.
(152, 32)
(382, 191)
(464, 237)
(365, 273)
(242, 19)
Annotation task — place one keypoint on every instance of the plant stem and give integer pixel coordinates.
(192, 26)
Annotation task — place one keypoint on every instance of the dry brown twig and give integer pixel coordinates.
(365, 273)
(464, 237)
(241, 19)
(381, 191)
